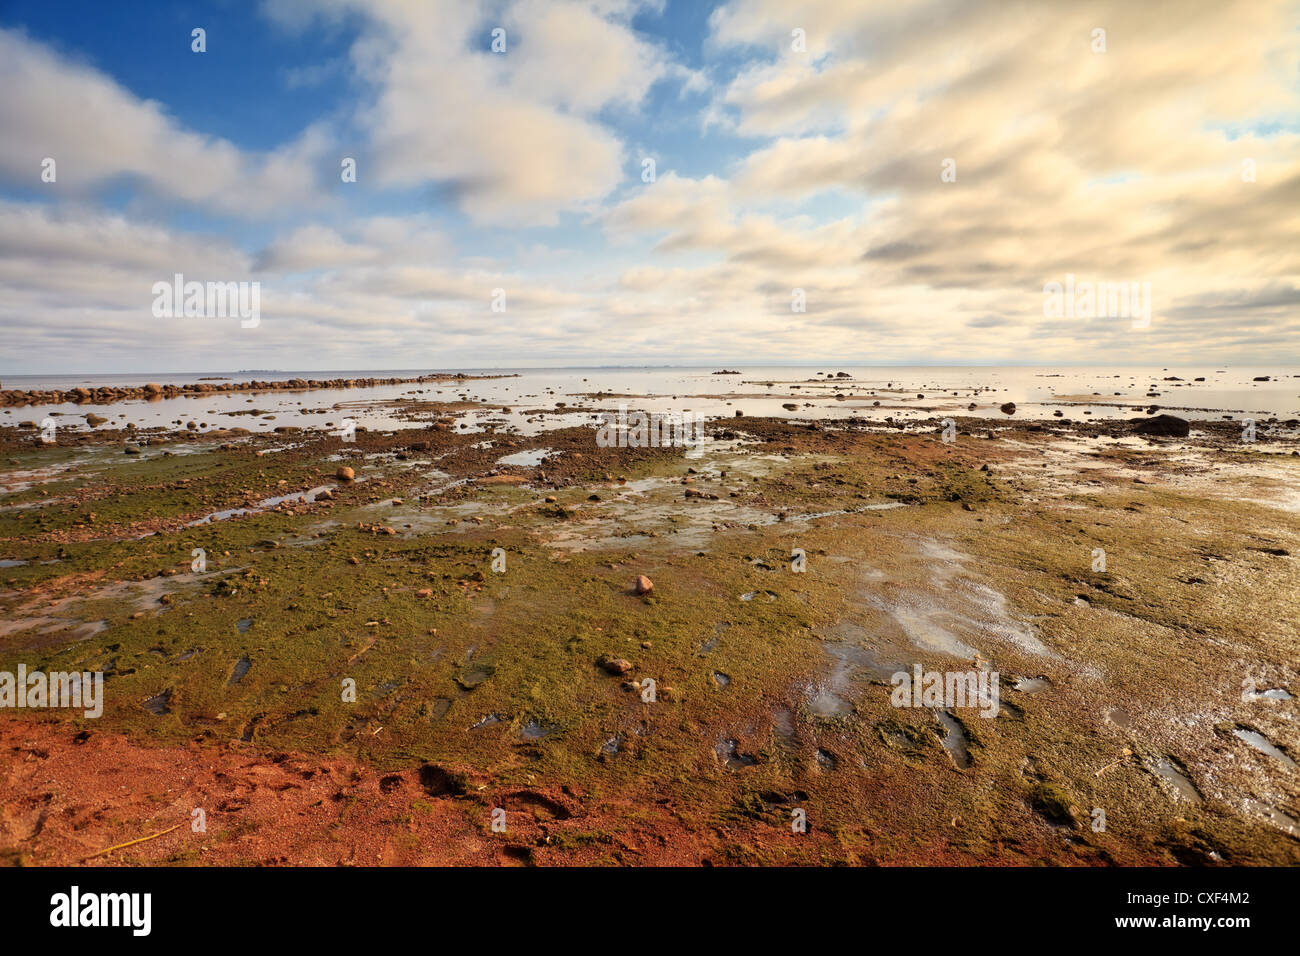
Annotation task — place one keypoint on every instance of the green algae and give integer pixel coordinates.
(332, 603)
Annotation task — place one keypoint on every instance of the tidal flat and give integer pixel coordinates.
(476, 590)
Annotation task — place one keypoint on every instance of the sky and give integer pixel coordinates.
(647, 183)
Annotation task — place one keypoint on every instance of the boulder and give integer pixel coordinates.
(1169, 426)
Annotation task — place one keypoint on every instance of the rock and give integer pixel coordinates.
(324, 495)
(617, 665)
(1165, 425)
(1008, 408)
(153, 388)
(345, 473)
(1054, 803)
(642, 584)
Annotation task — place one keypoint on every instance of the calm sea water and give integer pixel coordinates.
(759, 390)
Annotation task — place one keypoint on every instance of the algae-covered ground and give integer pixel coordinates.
(421, 664)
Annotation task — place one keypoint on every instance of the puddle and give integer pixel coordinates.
(727, 750)
(535, 730)
(826, 760)
(488, 721)
(526, 459)
(1033, 685)
(955, 740)
(438, 708)
(237, 674)
(1264, 745)
(1172, 774)
(1276, 693)
(750, 595)
(611, 746)
(473, 675)
(266, 504)
(1273, 816)
(1120, 718)
(824, 703)
(244, 624)
(722, 679)
(708, 646)
(950, 610)
(783, 729)
(158, 703)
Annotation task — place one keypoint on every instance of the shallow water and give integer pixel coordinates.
(758, 390)
(1264, 745)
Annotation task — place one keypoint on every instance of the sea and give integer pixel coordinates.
(569, 396)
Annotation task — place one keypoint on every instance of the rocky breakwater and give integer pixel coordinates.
(152, 391)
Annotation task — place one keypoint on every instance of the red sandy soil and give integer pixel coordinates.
(68, 795)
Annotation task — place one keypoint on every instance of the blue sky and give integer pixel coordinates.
(797, 147)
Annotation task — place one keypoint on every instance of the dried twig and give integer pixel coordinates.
(152, 836)
(1126, 752)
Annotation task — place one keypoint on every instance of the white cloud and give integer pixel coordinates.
(511, 137)
(96, 131)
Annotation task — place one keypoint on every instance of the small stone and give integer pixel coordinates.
(345, 473)
(643, 585)
(617, 665)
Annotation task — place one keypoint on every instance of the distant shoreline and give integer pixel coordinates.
(107, 395)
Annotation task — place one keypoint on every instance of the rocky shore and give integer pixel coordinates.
(657, 655)
(106, 395)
